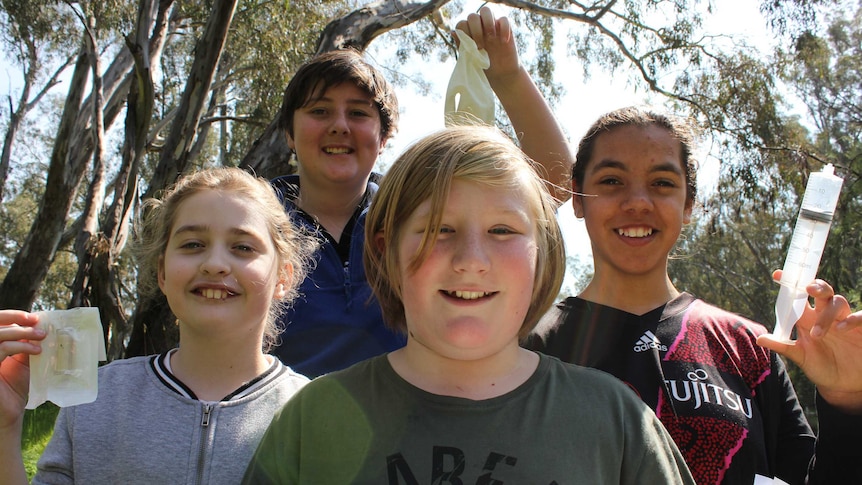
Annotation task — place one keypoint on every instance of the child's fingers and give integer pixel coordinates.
(829, 307)
(504, 29)
(15, 347)
(474, 29)
(18, 333)
(489, 23)
(18, 317)
(853, 321)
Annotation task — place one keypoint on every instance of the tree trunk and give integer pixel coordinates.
(31, 264)
(65, 172)
(175, 153)
(153, 328)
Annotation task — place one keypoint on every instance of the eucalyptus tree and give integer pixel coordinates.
(199, 84)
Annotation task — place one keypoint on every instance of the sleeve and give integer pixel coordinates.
(790, 438)
(838, 454)
(55, 464)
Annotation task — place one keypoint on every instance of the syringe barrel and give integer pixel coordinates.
(806, 247)
(812, 227)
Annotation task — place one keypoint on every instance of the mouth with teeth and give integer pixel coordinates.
(337, 150)
(469, 295)
(636, 232)
(214, 293)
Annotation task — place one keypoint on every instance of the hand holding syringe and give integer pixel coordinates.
(806, 248)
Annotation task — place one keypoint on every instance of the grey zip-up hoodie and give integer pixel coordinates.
(147, 427)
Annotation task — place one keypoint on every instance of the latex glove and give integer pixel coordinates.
(469, 97)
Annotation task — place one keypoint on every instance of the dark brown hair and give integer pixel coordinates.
(332, 68)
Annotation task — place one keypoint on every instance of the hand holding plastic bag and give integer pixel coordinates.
(66, 371)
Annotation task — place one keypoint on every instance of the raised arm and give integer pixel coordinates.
(539, 134)
(16, 330)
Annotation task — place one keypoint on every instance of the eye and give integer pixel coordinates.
(665, 183)
(502, 230)
(246, 248)
(191, 245)
(610, 181)
(442, 232)
(360, 113)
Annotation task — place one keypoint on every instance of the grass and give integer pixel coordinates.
(38, 427)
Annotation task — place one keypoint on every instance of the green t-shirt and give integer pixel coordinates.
(565, 424)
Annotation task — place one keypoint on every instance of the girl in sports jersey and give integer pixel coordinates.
(710, 375)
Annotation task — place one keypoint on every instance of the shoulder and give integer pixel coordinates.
(355, 379)
(723, 320)
(334, 398)
(286, 187)
(706, 330)
(550, 324)
(581, 378)
(124, 369)
(289, 381)
(592, 391)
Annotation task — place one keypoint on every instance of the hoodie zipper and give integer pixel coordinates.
(205, 422)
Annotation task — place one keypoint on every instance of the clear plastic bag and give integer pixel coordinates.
(66, 372)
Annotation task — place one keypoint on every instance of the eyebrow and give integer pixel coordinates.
(362, 101)
(193, 228)
(662, 167)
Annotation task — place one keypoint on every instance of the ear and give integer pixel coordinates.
(383, 142)
(577, 200)
(161, 273)
(284, 282)
(290, 141)
(686, 213)
(379, 241)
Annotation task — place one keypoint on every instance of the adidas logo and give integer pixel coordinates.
(649, 341)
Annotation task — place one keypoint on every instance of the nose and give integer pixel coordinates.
(339, 123)
(637, 200)
(215, 263)
(471, 255)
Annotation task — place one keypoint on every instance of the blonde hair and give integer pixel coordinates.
(425, 171)
(293, 249)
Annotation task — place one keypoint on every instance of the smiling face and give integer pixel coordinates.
(468, 298)
(337, 138)
(219, 274)
(635, 203)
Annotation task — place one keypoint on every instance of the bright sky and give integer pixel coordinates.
(582, 104)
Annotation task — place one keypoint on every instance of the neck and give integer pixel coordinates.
(478, 379)
(214, 372)
(331, 208)
(633, 294)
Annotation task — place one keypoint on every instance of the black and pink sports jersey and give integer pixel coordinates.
(728, 403)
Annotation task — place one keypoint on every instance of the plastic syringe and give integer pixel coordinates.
(806, 248)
